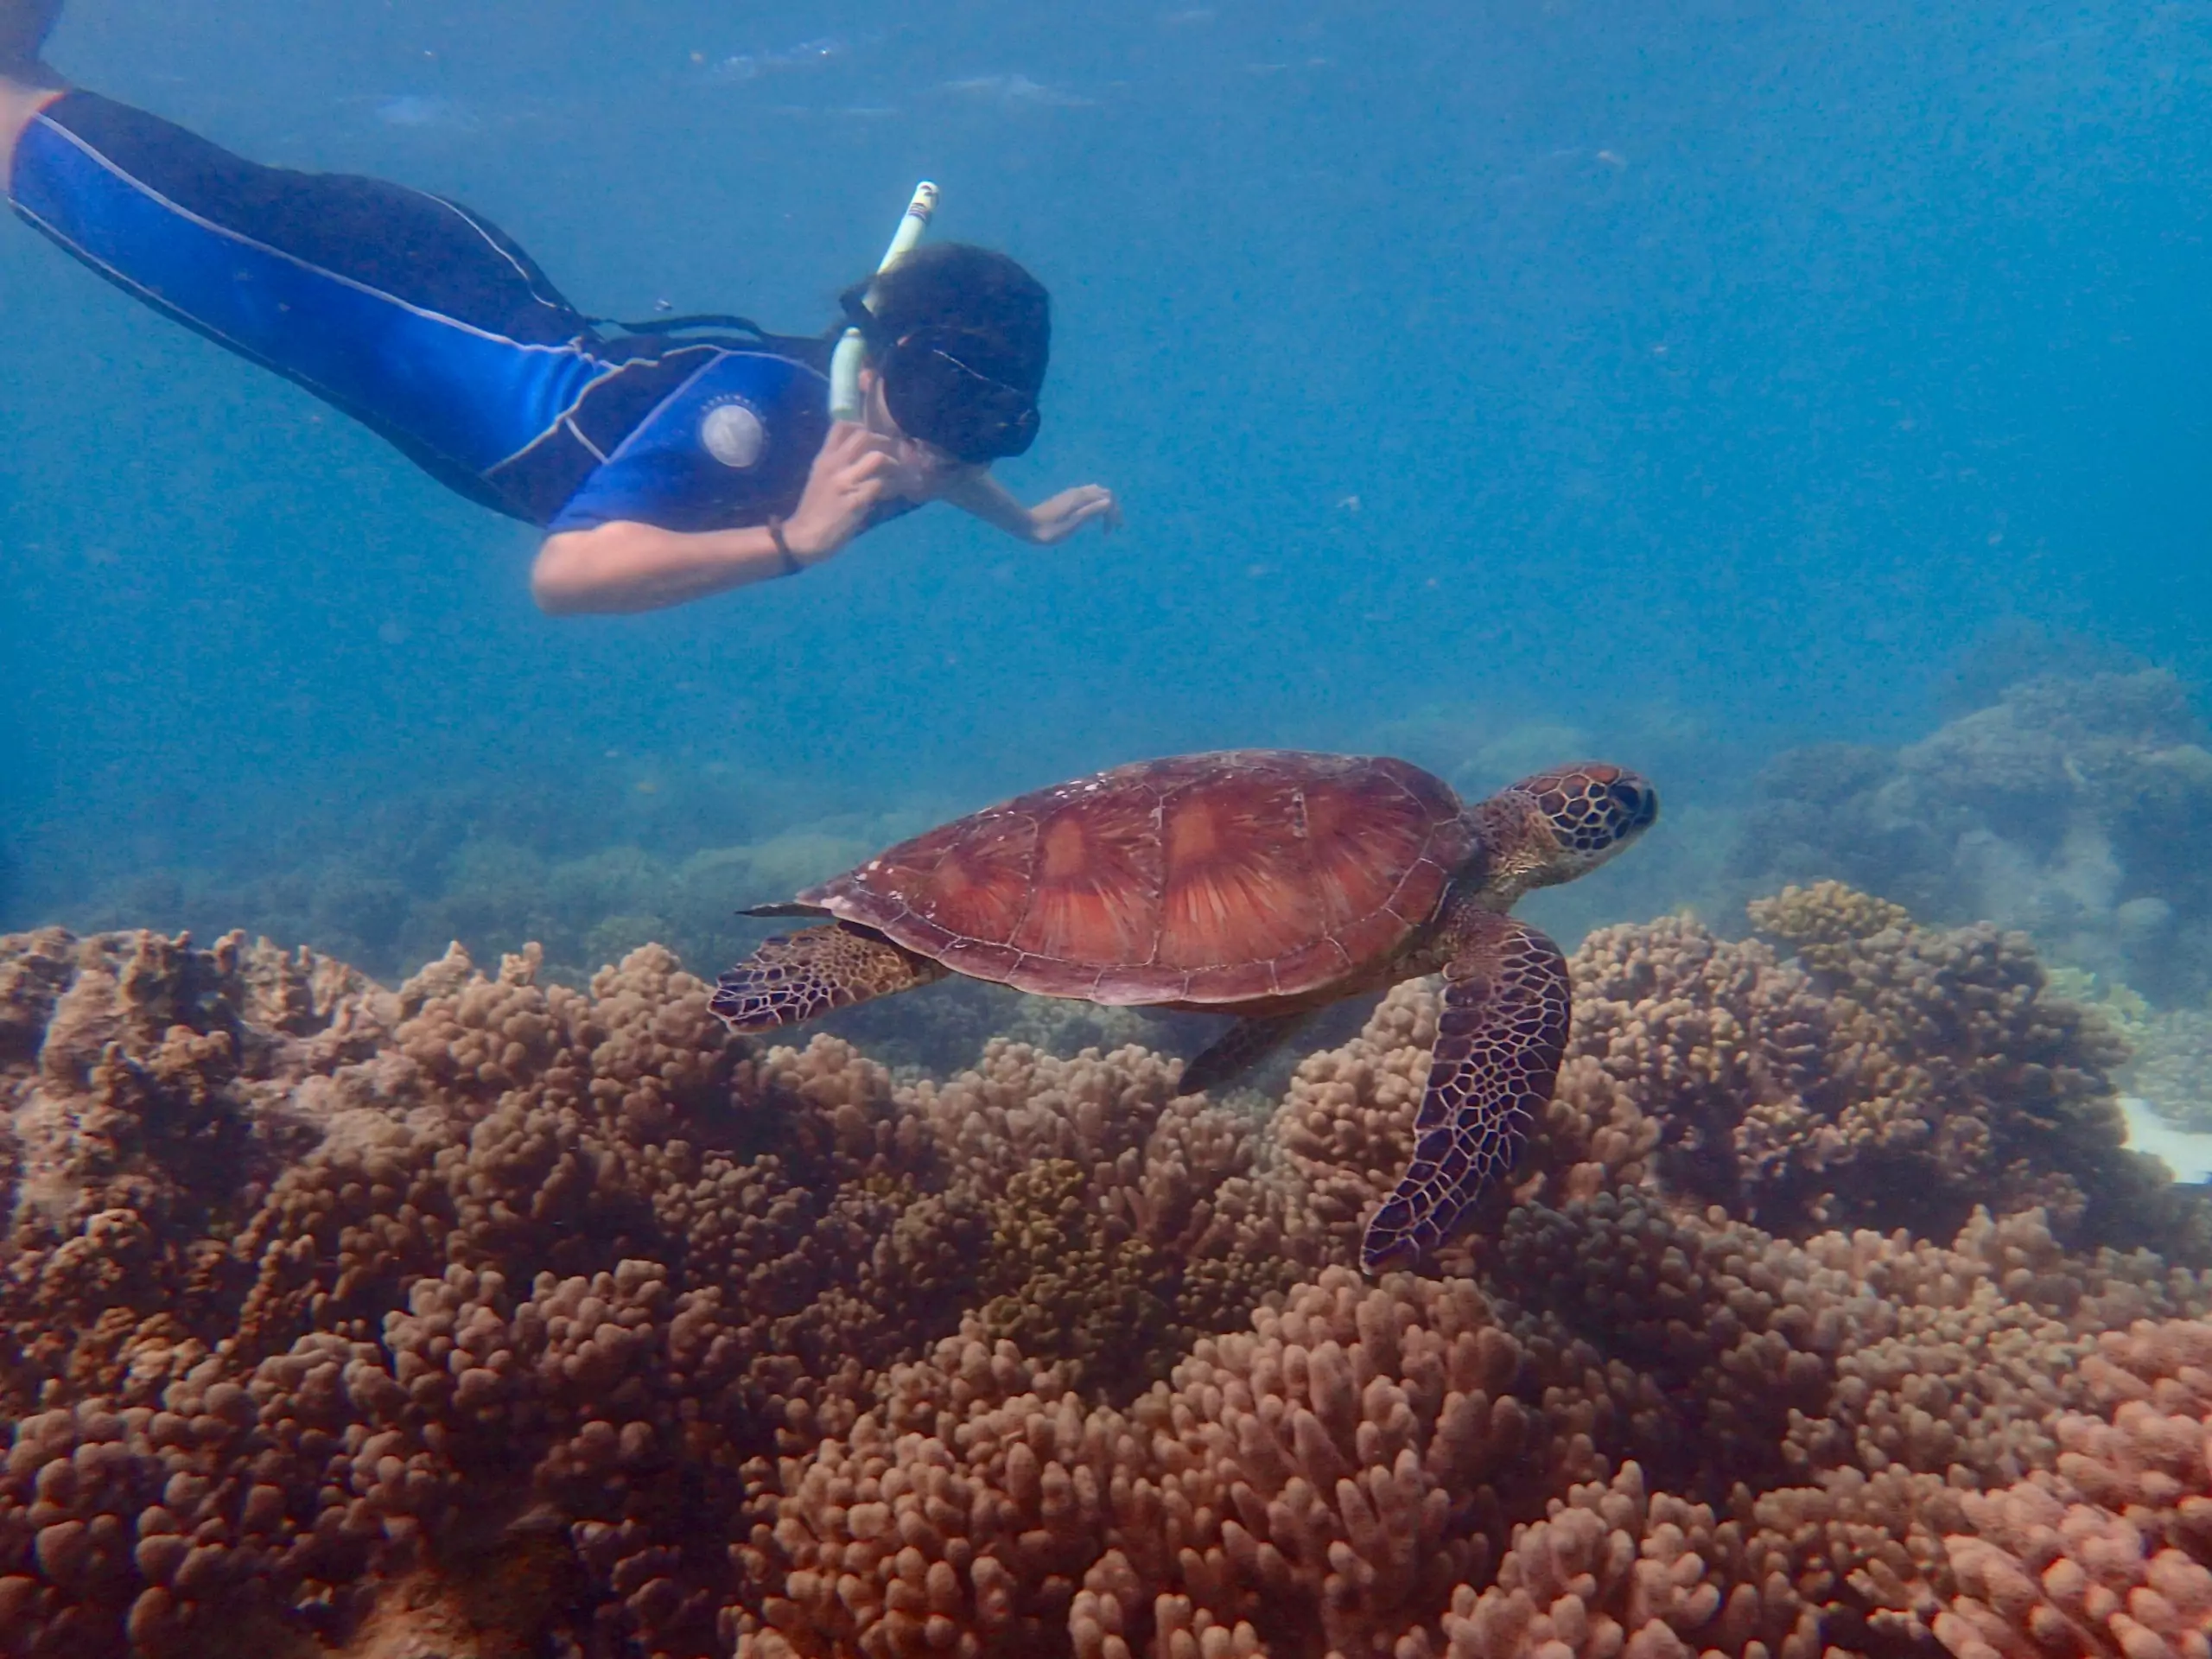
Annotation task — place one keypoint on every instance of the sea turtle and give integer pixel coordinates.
(1261, 883)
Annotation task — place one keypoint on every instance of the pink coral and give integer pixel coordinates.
(2107, 1553)
(546, 1315)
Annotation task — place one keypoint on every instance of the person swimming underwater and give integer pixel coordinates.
(662, 465)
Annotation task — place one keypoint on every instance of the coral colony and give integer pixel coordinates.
(493, 1318)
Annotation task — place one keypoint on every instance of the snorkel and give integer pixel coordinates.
(845, 361)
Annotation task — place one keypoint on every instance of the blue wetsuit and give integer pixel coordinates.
(425, 322)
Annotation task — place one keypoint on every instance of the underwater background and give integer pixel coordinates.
(1809, 406)
(1485, 385)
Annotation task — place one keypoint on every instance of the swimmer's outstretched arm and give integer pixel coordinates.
(625, 566)
(622, 566)
(973, 490)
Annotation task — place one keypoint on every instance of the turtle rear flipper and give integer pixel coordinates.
(1237, 1050)
(1507, 1005)
(799, 976)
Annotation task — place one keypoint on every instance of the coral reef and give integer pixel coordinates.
(473, 876)
(2074, 808)
(495, 1315)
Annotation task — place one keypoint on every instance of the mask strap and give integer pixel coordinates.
(680, 325)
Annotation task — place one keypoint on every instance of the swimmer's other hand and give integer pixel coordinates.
(1053, 522)
(850, 477)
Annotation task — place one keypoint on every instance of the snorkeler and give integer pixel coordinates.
(662, 465)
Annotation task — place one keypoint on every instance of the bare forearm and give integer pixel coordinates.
(983, 496)
(624, 566)
(1046, 525)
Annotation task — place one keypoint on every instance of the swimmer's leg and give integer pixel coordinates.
(24, 25)
(26, 84)
(407, 311)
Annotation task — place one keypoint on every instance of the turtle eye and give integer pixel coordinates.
(1633, 801)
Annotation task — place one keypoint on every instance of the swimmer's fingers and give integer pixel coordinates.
(860, 472)
(876, 467)
(850, 444)
(1097, 503)
(848, 436)
(851, 476)
(1070, 511)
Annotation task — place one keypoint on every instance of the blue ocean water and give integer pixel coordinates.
(1684, 383)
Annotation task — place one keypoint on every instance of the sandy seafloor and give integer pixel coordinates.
(2188, 1153)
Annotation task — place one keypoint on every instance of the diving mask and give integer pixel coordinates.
(937, 393)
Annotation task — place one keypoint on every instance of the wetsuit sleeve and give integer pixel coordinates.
(728, 447)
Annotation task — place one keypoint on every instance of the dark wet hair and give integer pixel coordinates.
(1002, 313)
(961, 335)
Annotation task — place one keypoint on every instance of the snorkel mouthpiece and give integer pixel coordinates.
(845, 361)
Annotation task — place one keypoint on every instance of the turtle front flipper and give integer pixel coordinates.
(1237, 1050)
(1507, 1005)
(799, 976)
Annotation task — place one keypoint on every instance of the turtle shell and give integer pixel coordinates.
(1203, 880)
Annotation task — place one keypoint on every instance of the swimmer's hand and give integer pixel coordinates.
(855, 471)
(1053, 522)
(972, 489)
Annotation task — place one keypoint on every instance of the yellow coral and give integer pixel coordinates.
(1826, 914)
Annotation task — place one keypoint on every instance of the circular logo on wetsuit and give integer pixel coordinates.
(733, 434)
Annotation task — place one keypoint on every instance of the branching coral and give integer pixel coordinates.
(1125, 1219)
(2111, 1552)
(487, 1255)
(1331, 1471)
(1943, 1047)
(154, 1090)
(489, 1305)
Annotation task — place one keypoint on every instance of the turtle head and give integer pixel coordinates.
(1561, 823)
